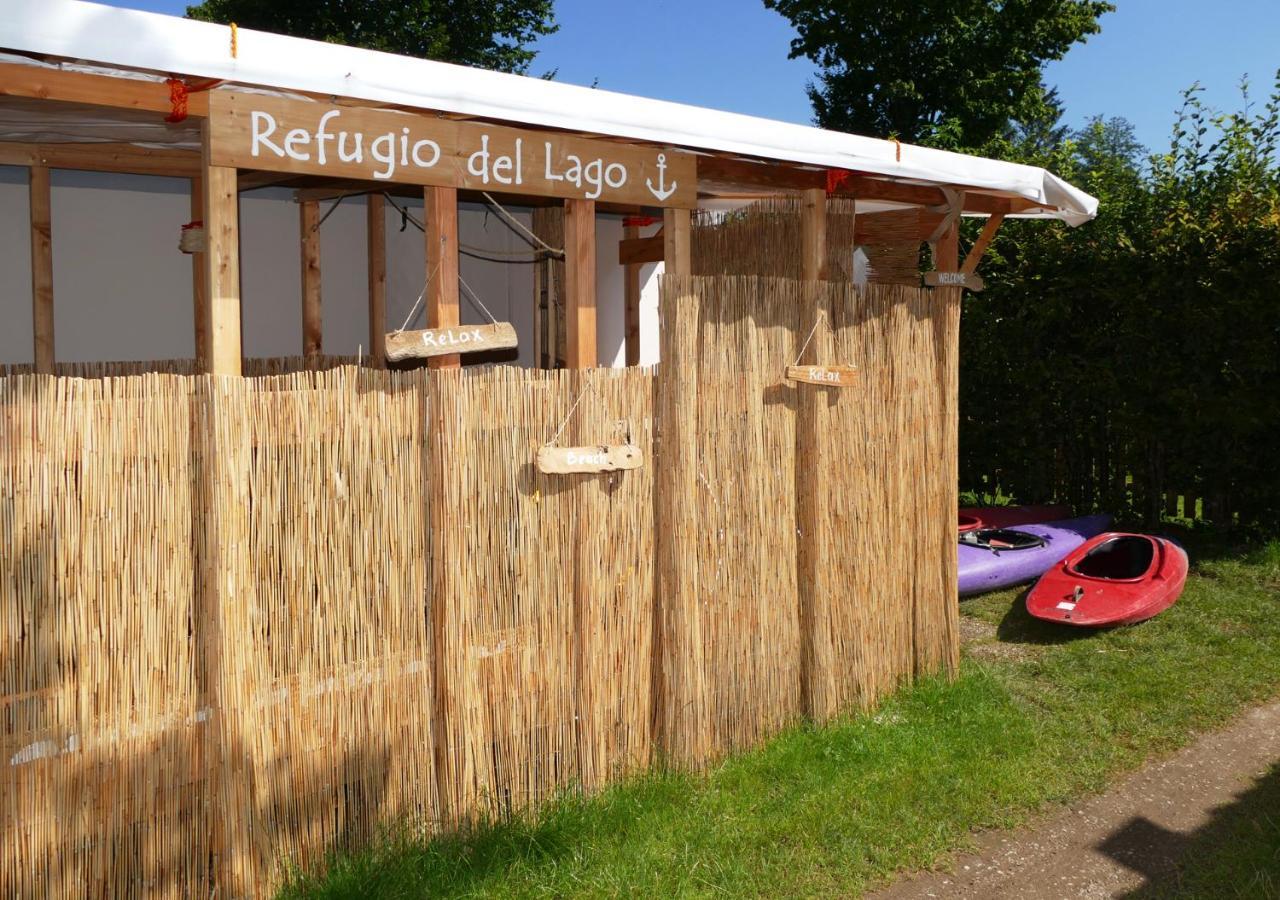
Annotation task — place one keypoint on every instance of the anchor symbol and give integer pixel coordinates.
(662, 192)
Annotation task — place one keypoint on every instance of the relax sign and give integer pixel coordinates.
(252, 131)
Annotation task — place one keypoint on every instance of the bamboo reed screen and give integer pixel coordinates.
(244, 621)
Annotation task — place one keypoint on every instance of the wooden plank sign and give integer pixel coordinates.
(456, 339)
(831, 376)
(255, 131)
(569, 460)
(967, 280)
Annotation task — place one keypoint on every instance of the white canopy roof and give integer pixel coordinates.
(130, 39)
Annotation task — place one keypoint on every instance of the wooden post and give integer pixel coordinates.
(309, 233)
(677, 243)
(441, 218)
(222, 265)
(580, 283)
(42, 268)
(631, 297)
(199, 294)
(817, 668)
(377, 281)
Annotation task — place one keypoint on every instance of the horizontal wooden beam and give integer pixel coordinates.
(40, 83)
(784, 177)
(103, 157)
(635, 251)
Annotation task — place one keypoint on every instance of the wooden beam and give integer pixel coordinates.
(42, 269)
(580, 283)
(813, 234)
(980, 245)
(312, 311)
(199, 295)
(677, 237)
(786, 177)
(377, 232)
(640, 250)
(947, 255)
(441, 235)
(222, 267)
(102, 157)
(631, 301)
(36, 82)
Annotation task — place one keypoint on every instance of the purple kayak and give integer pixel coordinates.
(991, 559)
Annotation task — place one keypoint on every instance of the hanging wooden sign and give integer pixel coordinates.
(968, 280)
(456, 339)
(831, 376)
(569, 460)
(255, 131)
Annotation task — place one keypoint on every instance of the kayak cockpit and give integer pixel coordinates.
(1128, 557)
(1001, 539)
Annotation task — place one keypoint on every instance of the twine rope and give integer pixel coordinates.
(822, 317)
(559, 431)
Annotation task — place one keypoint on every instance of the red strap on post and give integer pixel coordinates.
(639, 221)
(835, 179)
(177, 100)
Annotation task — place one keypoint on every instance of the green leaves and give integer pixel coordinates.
(489, 34)
(945, 72)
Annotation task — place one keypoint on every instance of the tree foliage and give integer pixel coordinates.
(955, 72)
(490, 34)
(1137, 356)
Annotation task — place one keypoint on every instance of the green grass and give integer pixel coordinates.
(1039, 715)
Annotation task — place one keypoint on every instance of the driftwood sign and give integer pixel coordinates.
(569, 460)
(457, 339)
(831, 376)
(969, 280)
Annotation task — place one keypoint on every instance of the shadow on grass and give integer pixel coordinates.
(1020, 627)
(1235, 854)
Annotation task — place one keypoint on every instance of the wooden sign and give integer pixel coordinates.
(831, 376)
(456, 339)
(254, 131)
(567, 460)
(954, 279)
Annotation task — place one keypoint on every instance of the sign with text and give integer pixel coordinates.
(253, 131)
(443, 341)
(967, 280)
(832, 376)
(569, 460)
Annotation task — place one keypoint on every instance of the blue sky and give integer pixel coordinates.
(732, 54)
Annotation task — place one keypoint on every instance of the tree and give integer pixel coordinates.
(490, 34)
(952, 72)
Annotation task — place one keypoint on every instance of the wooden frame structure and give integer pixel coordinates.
(216, 187)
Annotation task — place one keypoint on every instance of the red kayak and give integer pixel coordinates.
(1112, 579)
(974, 517)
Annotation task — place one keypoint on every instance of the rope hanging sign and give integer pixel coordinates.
(828, 376)
(553, 460)
(428, 342)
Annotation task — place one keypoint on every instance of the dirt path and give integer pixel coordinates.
(1130, 838)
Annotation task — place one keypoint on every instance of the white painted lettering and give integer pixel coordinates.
(322, 135)
(294, 137)
(387, 156)
(435, 154)
(478, 162)
(257, 121)
(358, 155)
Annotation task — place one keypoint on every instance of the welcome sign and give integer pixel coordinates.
(253, 131)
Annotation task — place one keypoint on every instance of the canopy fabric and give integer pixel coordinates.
(131, 39)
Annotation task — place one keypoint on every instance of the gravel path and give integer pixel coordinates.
(1119, 842)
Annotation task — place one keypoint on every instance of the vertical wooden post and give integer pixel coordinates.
(441, 218)
(222, 266)
(199, 293)
(309, 233)
(377, 281)
(631, 299)
(681, 728)
(818, 689)
(42, 268)
(580, 283)
(677, 242)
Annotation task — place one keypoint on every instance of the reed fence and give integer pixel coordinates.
(246, 621)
